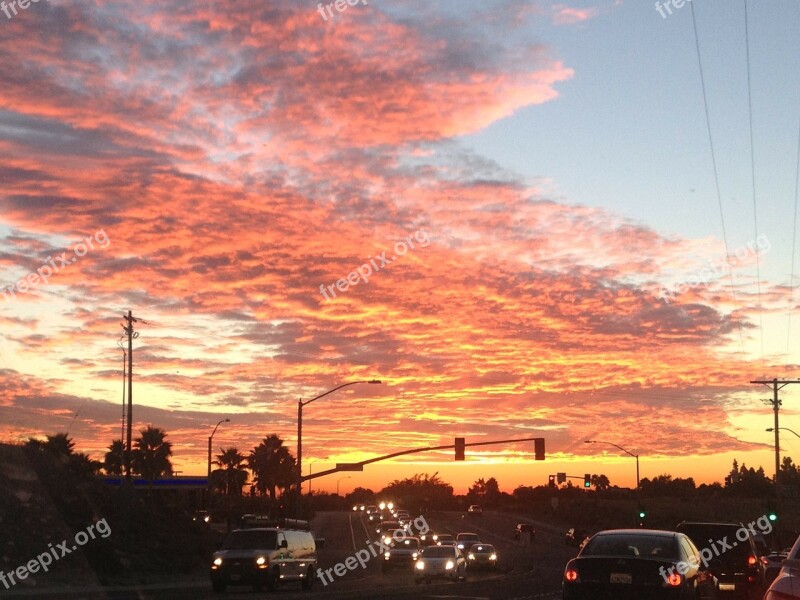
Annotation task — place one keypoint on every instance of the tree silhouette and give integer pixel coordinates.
(151, 453)
(114, 460)
(231, 475)
(272, 464)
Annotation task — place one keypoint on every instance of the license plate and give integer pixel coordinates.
(727, 587)
(621, 578)
(235, 577)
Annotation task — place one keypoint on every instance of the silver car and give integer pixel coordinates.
(437, 562)
(787, 583)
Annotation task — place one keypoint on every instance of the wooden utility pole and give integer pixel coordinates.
(131, 334)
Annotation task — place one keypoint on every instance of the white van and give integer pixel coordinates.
(264, 557)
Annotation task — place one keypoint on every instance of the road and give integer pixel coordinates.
(524, 573)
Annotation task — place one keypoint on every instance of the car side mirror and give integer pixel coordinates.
(284, 544)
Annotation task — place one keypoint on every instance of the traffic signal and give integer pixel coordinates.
(587, 481)
(460, 445)
(561, 477)
(773, 516)
(552, 481)
(642, 514)
(538, 446)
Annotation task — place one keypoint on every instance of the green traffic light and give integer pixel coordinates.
(772, 516)
(641, 514)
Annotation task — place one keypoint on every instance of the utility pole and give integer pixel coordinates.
(776, 385)
(131, 334)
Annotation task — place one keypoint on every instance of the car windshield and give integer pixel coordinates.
(482, 549)
(445, 537)
(652, 546)
(468, 537)
(250, 539)
(438, 552)
(406, 543)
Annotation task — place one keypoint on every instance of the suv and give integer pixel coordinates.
(263, 557)
(739, 569)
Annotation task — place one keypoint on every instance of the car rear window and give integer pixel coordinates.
(650, 546)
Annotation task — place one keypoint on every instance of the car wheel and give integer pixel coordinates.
(308, 582)
(218, 586)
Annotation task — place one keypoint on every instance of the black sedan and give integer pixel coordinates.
(638, 564)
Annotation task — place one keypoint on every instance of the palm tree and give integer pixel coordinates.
(115, 458)
(272, 464)
(231, 473)
(151, 453)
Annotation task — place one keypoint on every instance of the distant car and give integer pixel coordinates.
(465, 540)
(786, 585)
(773, 562)
(740, 570)
(394, 534)
(475, 509)
(440, 562)
(429, 538)
(201, 516)
(402, 553)
(445, 539)
(386, 526)
(522, 528)
(638, 563)
(482, 556)
(575, 536)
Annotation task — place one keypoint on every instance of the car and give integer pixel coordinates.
(437, 562)
(403, 517)
(575, 536)
(638, 563)
(202, 517)
(482, 556)
(465, 540)
(264, 557)
(402, 553)
(475, 509)
(386, 526)
(394, 534)
(524, 528)
(741, 571)
(429, 538)
(445, 539)
(773, 562)
(786, 585)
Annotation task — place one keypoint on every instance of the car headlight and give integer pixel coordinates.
(261, 561)
(449, 565)
(420, 565)
(461, 546)
(493, 557)
(414, 556)
(217, 562)
(386, 555)
(471, 556)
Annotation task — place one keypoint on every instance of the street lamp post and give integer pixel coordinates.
(300, 405)
(309, 470)
(210, 438)
(338, 480)
(636, 456)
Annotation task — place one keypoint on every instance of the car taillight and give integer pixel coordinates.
(673, 580)
(571, 573)
(752, 561)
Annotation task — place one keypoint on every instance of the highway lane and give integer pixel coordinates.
(524, 573)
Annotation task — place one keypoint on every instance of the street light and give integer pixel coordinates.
(211, 437)
(309, 470)
(300, 405)
(784, 429)
(636, 456)
(340, 479)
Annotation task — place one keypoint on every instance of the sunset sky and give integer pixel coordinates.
(537, 174)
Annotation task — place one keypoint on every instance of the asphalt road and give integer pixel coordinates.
(524, 573)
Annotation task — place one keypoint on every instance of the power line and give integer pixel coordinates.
(794, 240)
(753, 173)
(716, 171)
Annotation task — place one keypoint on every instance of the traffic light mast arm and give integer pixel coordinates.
(415, 451)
